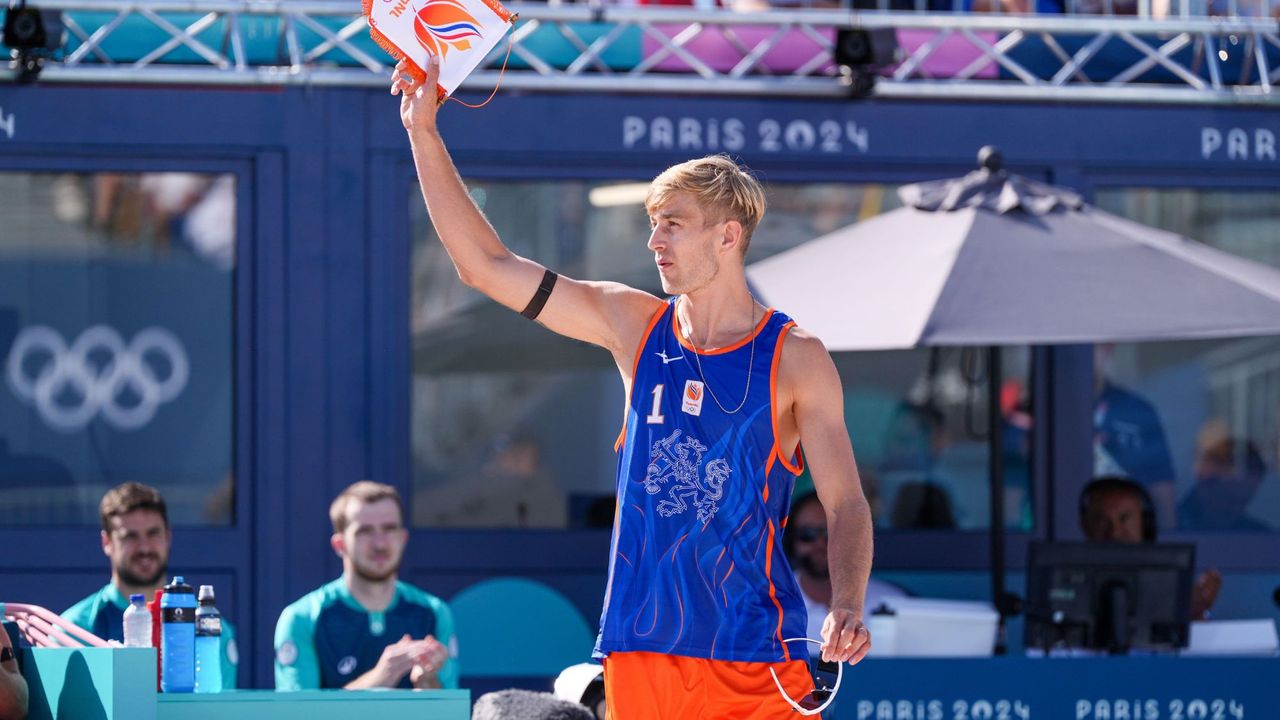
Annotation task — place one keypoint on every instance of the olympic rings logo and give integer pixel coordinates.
(69, 386)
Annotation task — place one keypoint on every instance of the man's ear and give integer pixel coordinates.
(731, 239)
(106, 543)
(338, 544)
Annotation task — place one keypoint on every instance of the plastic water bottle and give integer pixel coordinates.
(178, 637)
(137, 622)
(208, 644)
(156, 625)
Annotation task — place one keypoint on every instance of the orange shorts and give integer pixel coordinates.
(649, 686)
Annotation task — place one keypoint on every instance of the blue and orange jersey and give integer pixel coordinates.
(697, 567)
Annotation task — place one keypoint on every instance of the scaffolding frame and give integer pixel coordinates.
(322, 43)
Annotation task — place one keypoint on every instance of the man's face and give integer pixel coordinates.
(138, 545)
(685, 247)
(373, 542)
(810, 526)
(1113, 516)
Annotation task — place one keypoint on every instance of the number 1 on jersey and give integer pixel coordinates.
(655, 415)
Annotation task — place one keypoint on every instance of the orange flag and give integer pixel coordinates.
(459, 32)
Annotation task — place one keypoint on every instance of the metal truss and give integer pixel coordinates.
(581, 48)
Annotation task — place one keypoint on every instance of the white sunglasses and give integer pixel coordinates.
(830, 692)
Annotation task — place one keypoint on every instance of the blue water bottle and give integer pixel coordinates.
(208, 643)
(178, 637)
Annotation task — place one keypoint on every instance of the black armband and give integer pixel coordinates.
(534, 308)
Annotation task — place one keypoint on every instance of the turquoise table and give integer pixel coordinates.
(318, 705)
(119, 684)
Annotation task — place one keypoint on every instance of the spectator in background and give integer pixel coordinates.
(805, 543)
(913, 444)
(169, 196)
(136, 537)
(922, 505)
(1228, 472)
(513, 489)
(367, 629)
(1043, 7)
(1129, 440)
(1114, 509)
(13, 687)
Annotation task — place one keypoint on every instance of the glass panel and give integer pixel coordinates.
(1196, 422)
(918, 422)
(116, 330)
(514, 426)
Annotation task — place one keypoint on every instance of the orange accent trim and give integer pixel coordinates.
(418, 74)
(510, 42)
(773, 454)
(773, 592)
(635, 367)
(675, 330)
(503, 14)
(773, 404)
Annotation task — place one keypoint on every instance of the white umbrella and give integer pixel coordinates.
(996, 259)
(993, 259)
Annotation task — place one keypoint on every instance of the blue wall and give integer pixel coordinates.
(320, 299)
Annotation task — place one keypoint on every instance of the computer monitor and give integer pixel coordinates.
(1111, 597)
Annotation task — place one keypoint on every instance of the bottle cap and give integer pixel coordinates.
(206, 593)
(137, 598)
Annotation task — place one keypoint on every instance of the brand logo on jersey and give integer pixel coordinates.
(347, 665)
(693, 394)
(678, 466)
(668, 360)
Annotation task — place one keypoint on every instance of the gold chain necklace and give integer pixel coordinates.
(697, 357)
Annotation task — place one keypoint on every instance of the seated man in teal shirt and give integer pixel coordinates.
(367, 629)
(136, 538)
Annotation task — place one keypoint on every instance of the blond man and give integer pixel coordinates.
(722, 393)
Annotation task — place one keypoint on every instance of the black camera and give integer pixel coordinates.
(31, 35)
(24, 29)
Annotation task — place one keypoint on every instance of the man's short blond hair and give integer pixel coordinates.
(365, 491)
(724, 191)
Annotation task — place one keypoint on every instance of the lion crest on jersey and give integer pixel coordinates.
(677, 466)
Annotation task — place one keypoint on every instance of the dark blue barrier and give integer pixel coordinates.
(1120, 688)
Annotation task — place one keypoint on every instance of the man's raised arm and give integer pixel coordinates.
(610, 315)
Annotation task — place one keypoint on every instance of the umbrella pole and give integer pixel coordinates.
(995, 436)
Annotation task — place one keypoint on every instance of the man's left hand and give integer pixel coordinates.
(844, 637)
(426, 673)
